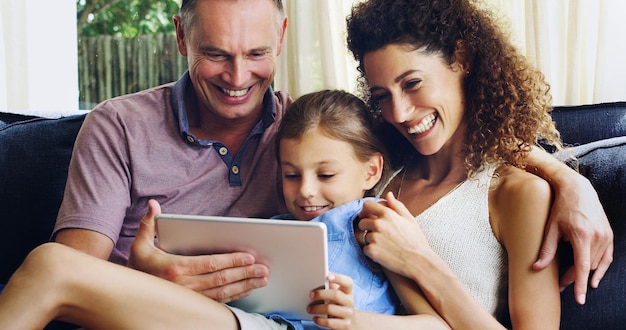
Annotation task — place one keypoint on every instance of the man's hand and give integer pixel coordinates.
(578, 218)
(222, 277)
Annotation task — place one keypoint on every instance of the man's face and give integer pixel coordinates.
(231, 48)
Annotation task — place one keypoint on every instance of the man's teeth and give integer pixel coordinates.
(233, 93)
(427, 123)
(312, 208)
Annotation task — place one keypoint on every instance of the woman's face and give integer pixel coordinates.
(420, 94)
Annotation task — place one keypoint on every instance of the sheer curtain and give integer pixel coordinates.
(38, 56)
(3, 76)
(578, 44)
(315, 55)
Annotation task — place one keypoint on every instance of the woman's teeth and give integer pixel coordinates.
(427, 123)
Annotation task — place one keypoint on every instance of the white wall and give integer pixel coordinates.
(38, 56)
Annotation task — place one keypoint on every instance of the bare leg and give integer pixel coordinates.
(58, 282)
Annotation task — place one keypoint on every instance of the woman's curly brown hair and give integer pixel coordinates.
(507, 99)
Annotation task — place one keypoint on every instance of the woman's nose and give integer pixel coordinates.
(400, 108)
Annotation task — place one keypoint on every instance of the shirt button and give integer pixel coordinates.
(223, 151)
(235, 170)
(190, 138)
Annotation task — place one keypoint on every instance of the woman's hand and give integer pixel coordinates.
(334, 307)
(393, 236)
(221, 277)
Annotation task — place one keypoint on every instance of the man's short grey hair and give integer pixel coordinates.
(187, 12)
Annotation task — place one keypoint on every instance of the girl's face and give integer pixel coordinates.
(418, 93)
(320, 173)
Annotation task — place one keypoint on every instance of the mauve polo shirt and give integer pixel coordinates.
(138, 147)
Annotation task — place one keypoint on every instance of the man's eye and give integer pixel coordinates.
(216, 57)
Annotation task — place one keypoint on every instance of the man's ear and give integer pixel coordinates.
(283, 29)
(180, 35)
(374, 171)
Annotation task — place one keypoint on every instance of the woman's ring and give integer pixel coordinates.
(364, 237)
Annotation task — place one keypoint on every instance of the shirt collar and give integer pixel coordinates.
(183, 90)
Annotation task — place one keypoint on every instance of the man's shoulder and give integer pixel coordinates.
(283, 100)
(138, 103)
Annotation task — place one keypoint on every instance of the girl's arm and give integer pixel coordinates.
(519, 207)
(339, 309)
(578, 217)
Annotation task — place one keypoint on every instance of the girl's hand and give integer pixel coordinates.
(334, 307)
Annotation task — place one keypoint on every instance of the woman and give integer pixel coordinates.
(462, 111)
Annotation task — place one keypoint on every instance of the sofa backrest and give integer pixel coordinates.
(34, 157)
(587, 123)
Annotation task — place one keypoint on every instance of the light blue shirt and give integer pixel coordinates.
(372, 292)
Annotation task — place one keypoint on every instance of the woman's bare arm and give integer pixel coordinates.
(519, 206)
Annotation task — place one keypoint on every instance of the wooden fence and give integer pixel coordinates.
(111, 66)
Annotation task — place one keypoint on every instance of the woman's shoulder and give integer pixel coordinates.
(518, 198)
(514, 182)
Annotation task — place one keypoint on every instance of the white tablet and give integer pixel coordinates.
(294, 251)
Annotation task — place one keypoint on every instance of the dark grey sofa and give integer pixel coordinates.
(35, 152)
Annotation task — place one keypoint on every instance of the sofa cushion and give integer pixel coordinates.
(34, 156)
(604, 164)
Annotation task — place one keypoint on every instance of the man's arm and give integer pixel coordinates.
(88, 241)
(577, 216)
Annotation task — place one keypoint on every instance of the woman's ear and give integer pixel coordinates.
(462, 57)
(374, 171)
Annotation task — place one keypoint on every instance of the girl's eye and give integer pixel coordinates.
(326, 176)
(289, 176)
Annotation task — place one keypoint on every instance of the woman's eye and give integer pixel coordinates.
(412, 83)
(326, 176)
(379, 98)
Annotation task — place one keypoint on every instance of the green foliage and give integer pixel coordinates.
(125, 18)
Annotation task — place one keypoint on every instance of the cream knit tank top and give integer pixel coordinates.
(458, 230)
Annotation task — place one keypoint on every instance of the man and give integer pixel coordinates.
(205, 145)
